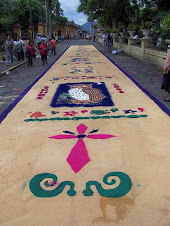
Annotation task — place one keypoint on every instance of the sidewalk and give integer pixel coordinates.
(13, 84)
(4, 68)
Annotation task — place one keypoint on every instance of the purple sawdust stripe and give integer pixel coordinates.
(17, 100)
(162, 106)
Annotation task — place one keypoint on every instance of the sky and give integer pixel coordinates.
(70, 11)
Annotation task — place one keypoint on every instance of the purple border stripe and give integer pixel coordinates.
(17, 100)
(162, 106)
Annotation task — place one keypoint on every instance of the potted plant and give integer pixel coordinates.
(166, 26)
(131, 30)
(122, 33)
(146, 29)
(115, 32)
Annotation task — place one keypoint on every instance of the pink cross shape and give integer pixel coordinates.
(78, 156)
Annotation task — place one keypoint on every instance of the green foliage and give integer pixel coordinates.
(95, 26)
(20, 11)
(146, 25)
(166, 22)
(158, 29)
(110, 12)
(110, 31)
(114, 30)
(131, 27)
(58, 22)
(129, 12)
(148, 11)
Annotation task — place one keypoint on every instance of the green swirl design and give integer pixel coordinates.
(122, 189)
(38, 191)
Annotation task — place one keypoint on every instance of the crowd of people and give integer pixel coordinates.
(18, 49)
(107, 40)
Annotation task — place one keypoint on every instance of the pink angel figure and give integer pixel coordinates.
(78, 156)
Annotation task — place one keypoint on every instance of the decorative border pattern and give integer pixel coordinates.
(88, 117)
(83, 77)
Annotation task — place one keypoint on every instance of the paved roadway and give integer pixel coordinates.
(147, 75)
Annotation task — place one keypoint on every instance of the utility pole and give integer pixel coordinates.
(48, 18)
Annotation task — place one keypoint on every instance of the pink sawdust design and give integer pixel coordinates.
(78, 156)
(141, 109)
(100, 136)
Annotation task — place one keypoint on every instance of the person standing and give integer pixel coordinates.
(44, 38)
(53, 46)
(166, 77)
(38, 38)
(24, 49)
(20, 49)
(15, 52)
(94, 37)
(43, 51)
(56, 39)
(103, 39)
(30, 51)
(109, 42)
(62, 38)
(9, 45)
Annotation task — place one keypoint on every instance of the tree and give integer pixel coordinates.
(110, 12)
(58, 20)
(6, 18)
(19, 11)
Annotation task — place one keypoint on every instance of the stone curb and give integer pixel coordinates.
(12, 68)
(18, 65)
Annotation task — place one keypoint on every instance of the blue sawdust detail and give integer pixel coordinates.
(62, 98)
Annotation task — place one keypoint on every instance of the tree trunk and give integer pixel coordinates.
(48, 18)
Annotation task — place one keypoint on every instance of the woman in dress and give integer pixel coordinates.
(43, 51)
(166, 77)
(30, 51)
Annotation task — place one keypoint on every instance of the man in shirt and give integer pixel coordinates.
(20, 48)
(9, 45)
(44, 38)
(38, 37)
